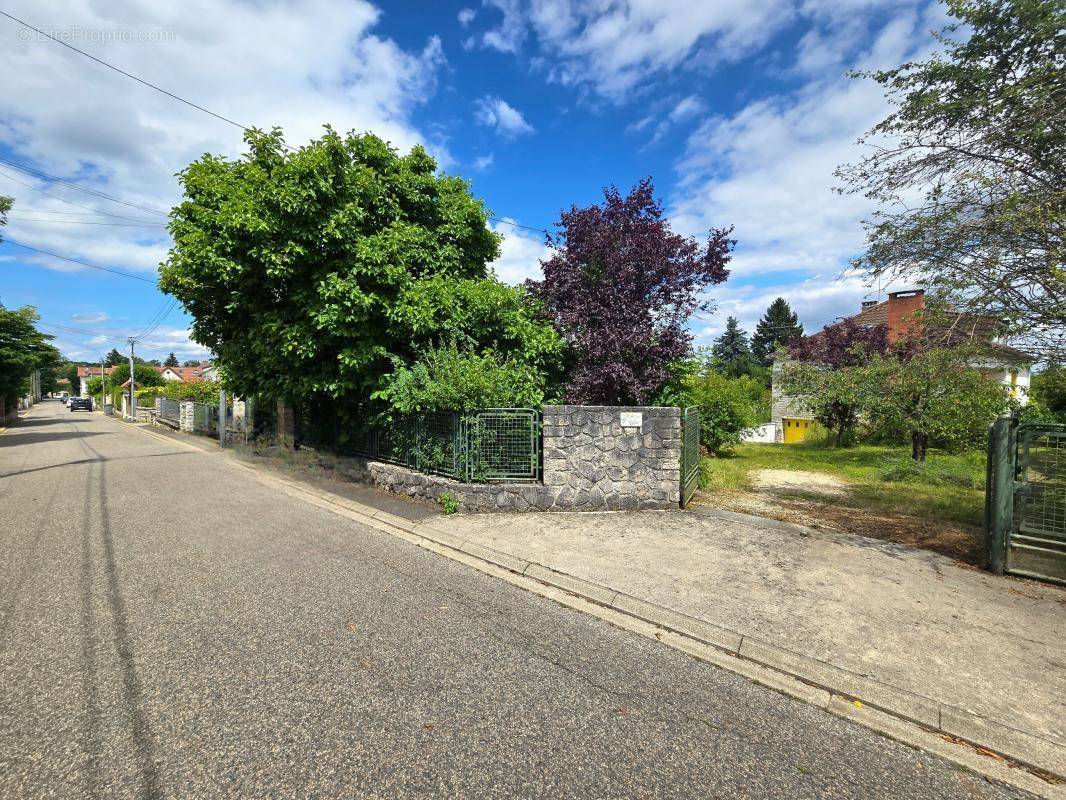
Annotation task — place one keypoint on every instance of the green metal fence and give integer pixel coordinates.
(1025, 511)
(690, 453)
(492, 444)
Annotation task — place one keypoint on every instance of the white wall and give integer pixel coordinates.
(764, 434)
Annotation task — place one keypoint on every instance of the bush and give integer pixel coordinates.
(450, 378)
(726, 408)
(197, 391)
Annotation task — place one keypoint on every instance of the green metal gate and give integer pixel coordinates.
(1025, 510)
(690, 453)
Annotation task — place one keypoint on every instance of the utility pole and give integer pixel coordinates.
(133, 397)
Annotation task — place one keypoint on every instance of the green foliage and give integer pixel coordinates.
(94, 386)
(731, 354)
(451, 378)
(143, 375)
(970, 167)
(172, 361)
(5, 206)
(23, 349)
(1047, 390)
(312, 272)
(114, 358)
(933, 397)
(778, 326)
(197, 391)
(448, 503)
(70, 372)
(726, 406)
(834, 397)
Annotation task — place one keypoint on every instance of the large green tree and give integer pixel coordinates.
(1048, 390)
(23, 349)
(731, 353)
(143, 375)
(969, 170)
(309, 272)
(778, 326)
(933, 396)
(114, 358)
(171, 361)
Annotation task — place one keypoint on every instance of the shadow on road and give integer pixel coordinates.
(13, 438)
(30, 422)
(93, 461)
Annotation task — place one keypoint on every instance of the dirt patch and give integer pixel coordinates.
(794, 481)
(959, 541)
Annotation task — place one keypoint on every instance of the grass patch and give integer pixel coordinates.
(948, 486)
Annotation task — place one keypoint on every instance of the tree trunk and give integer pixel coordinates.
(919, 445)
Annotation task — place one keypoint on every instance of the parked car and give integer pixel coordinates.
(83, 403)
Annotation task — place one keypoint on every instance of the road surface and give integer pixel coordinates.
(170, 626)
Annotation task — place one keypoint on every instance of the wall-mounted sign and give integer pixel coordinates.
(631, 419)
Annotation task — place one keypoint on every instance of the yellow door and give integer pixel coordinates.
(796, 430)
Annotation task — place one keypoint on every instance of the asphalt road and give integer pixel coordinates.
(172, 627)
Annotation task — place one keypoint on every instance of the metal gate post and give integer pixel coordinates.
(1000, 498)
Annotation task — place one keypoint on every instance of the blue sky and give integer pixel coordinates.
(739, 111)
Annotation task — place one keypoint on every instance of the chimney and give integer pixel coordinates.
(904, 314)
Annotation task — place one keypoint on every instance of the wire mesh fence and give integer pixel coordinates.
(169, 409)
(1041, 506)
(493, 444)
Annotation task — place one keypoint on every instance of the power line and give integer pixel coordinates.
(42, 175)
(83, 263)
(159, 321)
(100, 61)
(24, 210)
(65, 200)
(87, 222)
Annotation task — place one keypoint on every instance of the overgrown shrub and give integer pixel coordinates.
(454, 378)
(726, 408)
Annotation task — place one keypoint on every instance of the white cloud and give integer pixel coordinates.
(494, 112)
(91, 316)
(482, 163)
(818, 300)
(294, 63)
(466, 16)
(617, 45)
(769, 170)
(521, 252)
(508, 36)
(685, 110)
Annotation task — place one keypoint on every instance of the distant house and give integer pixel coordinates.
(87, 373)
(187, 374)
(901, 315)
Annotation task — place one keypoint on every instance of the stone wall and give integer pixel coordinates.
(593, 462)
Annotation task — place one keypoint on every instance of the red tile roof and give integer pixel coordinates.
(93, 372)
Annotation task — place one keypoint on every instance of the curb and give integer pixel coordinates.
(996, 751)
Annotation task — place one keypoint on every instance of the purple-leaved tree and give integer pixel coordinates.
(619, 288)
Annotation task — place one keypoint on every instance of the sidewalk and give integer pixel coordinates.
(957, 650)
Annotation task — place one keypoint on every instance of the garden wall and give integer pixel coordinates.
(596, 458)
